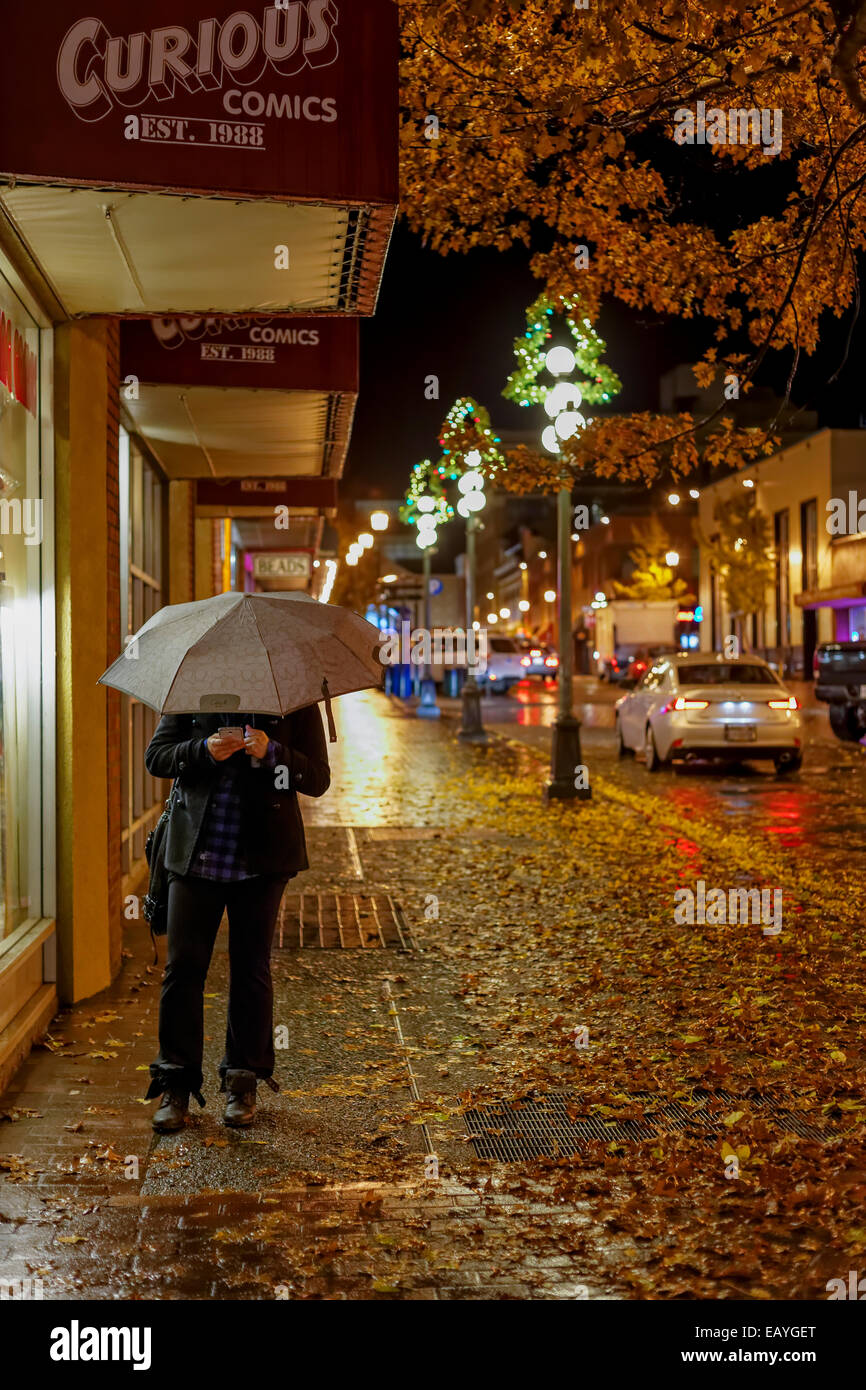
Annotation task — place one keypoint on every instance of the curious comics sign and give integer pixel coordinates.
(295, 100)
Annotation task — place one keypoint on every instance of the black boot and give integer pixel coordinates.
(172, 1112)
(241, 1104)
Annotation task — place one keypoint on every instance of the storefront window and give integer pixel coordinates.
(24, 542)
(142, 513)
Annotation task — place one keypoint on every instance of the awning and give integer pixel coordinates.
(220, 160)
(108, 252)
(844, 596)
(202, 432)
(242, 397)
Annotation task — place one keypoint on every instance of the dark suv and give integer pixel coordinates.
(841, 683)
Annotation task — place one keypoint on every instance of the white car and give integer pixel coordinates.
(503, 665)
(710, 706)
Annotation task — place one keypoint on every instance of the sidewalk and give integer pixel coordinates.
(523, 923)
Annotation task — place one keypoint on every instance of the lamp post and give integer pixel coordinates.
(471, 728)
(428, 707)
(565, 757)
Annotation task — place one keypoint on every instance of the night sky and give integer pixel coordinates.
(457, 317)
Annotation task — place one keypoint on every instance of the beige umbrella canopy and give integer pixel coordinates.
(267, 653)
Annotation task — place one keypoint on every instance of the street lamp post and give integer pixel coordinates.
(428, 708)
(471, 729)
(565, 782)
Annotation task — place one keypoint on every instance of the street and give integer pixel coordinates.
(816, 812)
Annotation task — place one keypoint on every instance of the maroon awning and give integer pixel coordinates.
(301, 354)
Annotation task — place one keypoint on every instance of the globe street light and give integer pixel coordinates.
(379, 521)
(560, 361)
(425, 540)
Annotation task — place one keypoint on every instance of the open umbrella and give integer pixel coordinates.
(272, 653)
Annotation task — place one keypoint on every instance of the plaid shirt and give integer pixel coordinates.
(219, 855)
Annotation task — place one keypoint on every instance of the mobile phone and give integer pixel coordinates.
(235, 733)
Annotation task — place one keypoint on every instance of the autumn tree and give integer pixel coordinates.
(739, 550)
(696, 158)
(652, 579)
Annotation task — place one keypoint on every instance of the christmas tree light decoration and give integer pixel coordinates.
(468, 442)
(426, 495)
(534, 347)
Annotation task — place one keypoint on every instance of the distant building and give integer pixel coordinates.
(819, 589)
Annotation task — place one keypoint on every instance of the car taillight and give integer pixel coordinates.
(525, 661)
(682, 703)
(551, 661)
(791, 703)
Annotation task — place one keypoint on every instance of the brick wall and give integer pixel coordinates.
(113, 637)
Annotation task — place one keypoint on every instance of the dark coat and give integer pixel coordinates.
(272, 828)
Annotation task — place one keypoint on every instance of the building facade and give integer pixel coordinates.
(818, 590)
(178, 372)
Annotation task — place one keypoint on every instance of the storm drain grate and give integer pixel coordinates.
(341, 921)
(551, 1127)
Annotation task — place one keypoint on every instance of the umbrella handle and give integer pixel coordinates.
(332, 728)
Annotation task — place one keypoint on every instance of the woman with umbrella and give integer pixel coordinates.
(234, 838)
(234, 834)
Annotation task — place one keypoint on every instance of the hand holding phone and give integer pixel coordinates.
(225, 742)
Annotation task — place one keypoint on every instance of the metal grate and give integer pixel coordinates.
(551, 1127)
(341, 921)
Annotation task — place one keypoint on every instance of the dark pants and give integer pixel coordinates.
(195, 909)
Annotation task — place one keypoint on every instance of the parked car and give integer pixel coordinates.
(503, 665)
(710, 706)
(841, 683)
(642, 661)
(539, 661)
(638, 667)
(612, 670)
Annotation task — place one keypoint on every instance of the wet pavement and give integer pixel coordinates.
(360, 1180)
(819, 812)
